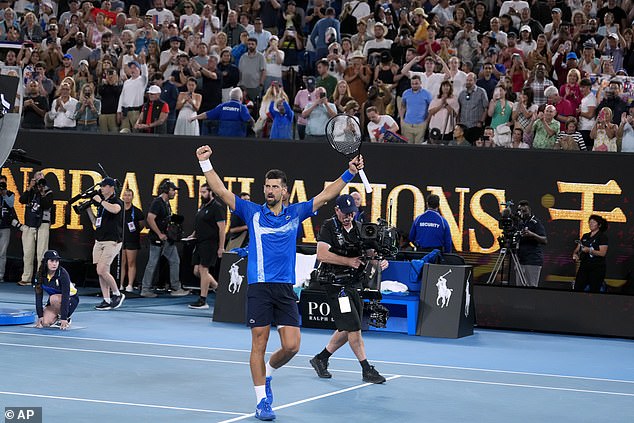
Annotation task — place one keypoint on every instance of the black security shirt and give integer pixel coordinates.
(206, 221)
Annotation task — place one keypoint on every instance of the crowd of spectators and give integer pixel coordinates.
(520, 74)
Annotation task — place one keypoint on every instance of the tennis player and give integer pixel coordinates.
(271, 267)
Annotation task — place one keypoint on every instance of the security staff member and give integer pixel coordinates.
(530, 252)
(209, 231)
(344, 300)
(62, 294)
(232, 116)
(430, 230)
(158, 219)
(108, 239)
(38, 199)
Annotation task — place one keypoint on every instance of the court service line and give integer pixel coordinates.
(520, 385)
(132, 404)
(317, 397)
(396, 363)
(308, 368)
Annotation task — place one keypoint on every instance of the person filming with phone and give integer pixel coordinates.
(317, 112)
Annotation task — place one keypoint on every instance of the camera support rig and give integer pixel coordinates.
(509, 243)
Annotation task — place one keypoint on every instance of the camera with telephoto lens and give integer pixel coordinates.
(509, 223)
(381, 237)
(85, 205)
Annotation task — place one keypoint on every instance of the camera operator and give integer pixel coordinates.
(158, 219)
(8, 219)
(530, 252)
(108, 238)
(38, 199)
(336, 237)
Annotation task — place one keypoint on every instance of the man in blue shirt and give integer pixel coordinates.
(430, 230)
(413, 113)
(271, 266)
(325, 32)
(232, 116)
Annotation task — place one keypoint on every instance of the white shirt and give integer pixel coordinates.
(627, 145)
(588, 101)
(273, 69)
(459, 83)
(431, 83)
(385, 121)
(165, 57)
(518, 5)
(190, 20)
(133, 91)
(209, 27)
(161, 16)
(444, 14)
(372, 44)
(362, 9)
(64, 119)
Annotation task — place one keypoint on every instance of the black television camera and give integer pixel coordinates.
(510, 223)
(89, 194)
(381, 237)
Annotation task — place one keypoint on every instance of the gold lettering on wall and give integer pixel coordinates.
(159, 178)
(377, 198)
(588, 191)
(59, 206)
(488, 221)
(392, 198)
(445, 210)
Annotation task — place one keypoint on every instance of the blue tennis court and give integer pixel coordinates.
(155, 360)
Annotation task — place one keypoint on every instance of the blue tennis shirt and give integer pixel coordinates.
(272, 239)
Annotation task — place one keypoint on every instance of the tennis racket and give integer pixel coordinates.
(345, 136)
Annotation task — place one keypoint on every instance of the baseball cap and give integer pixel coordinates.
(556, 10)
(572, 56)
(68, 56)
(154, 89)
(470, 20)
(83, 62)
(525, 28)
(310, 80)
(170, 185)
(134, 63)
(346, 204)
(108, 181)
(613, 35)
(588, 44)
(51, 255)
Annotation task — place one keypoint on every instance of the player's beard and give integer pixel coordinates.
(272, 201)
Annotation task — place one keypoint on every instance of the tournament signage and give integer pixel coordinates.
(564, 188)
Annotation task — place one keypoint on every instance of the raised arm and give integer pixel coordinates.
(333, 190)
(217, 186)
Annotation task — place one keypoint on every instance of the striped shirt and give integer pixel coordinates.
(575, 136)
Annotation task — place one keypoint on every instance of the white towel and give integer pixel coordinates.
(393, 286)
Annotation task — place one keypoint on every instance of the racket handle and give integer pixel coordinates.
(366, 183)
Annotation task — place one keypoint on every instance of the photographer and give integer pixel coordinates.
(158, 219)
(108, 237)
(38, 199)
(8, 219)
(337, 237)
(530, 248)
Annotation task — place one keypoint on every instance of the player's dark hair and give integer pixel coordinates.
(276, 174)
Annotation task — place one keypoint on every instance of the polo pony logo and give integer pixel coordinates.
(444, 293)
(467, 301)
(235, 278)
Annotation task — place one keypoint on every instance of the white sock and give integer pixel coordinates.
(117, 293)
(107, 300)
(269, 369)
(260, 392)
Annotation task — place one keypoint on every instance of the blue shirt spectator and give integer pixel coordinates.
(430, 229)
(417, 103)
(268, 232)
(232, 118)
(282, 127)
(322, 36)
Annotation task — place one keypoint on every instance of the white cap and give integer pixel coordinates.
(154, 89)
(525, 28)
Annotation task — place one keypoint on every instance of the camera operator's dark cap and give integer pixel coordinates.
(51, 255)
(346, 204)
(171, 185)
(3, 185)
(108, 181)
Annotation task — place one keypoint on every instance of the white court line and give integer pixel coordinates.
(396, 363)
(519, 385)
(132, 404)
(330, 394)
(307, 368)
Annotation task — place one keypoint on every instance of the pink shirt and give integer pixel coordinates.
(565, 108)
(302, 98)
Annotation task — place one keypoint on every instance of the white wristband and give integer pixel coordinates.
(206, 166)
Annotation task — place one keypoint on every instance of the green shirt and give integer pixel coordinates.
(541, 139)
(329, 83)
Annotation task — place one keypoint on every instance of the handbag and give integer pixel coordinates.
(502, 136)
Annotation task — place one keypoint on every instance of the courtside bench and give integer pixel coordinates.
(403, 307)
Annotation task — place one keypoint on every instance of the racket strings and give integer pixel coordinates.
(344, 134)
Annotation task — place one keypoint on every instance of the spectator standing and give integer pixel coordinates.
(474, 105)
(317, 112)
(302, 98)
(260, 34)
(626, 131)
(169, 94)
(282, 115)
(587, 111)
(545, 128)
(79, 51)
(565, 109)
(252, 70)
(274, 58)
(35, 107)
(109, 94)
(154, 112)
(443, 110)
(539, 83)
(325, 32)
(188, 104)
(132, 93)
(358, 76)
(230, 75)
(233, 29)
(63, 108)
(604, 132)
(415, 105)
(160, 15)
(88, 110)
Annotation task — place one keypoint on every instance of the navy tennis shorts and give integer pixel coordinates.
(272, 304)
